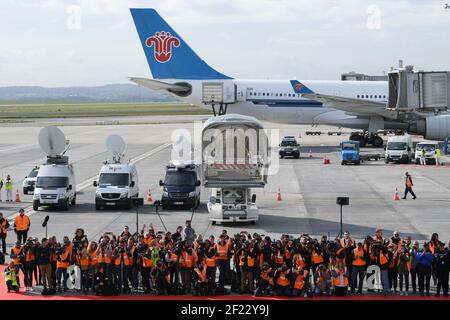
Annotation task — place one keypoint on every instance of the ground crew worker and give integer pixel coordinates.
(340, 279)
(201, 285)
(171, 259)
(383, 260)
(8, 188)
(82, 260)
(403, 269)
(62, 263)
(17, 257)
(408, 186)
(265, 282)
(4, 225)
(423, 160)
(29, 263)
(211, 267)
(359, 264)
(438, 156)
(282, 280)
(93, 262)
(43, 256)
(147, 264)
(11, 274)
(223, 258)
(122, 264)
(21, 226)
(247, 266)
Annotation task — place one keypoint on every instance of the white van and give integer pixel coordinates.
(116, 186)
(30, 180)
(399, 149)
(430, 151)
(55, 184)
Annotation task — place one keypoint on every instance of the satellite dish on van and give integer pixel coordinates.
(116, 146)
(52, 141)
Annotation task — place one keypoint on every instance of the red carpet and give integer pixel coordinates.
(21, 296)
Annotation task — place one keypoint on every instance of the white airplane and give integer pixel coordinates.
(178, 70)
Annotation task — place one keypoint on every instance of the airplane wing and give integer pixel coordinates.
(159, 85)
(353, 106)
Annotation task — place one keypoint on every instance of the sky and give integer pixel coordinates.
(94, 42)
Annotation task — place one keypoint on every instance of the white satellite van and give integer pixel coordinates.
(117, 182)
(55, 183)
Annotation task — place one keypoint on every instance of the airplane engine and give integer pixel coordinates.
(433, 127)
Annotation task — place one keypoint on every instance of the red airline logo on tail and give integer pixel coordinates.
(163, 42)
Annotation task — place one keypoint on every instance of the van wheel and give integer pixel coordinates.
(253, 222)
(35, 206)
(129, 205)
(66, 205)
(165, 206)
(25, 191)
(213, 223)
(97, 207)
(74, 201)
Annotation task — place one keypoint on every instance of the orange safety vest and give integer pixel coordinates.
(287, 254)
(358, 255)
(299, 261)
(22, 223)
(431, 247)
(187, 260)
(351, 243)
(222, 251)
(408, 182)
(83, 261)
(279, 259)
(147, 262)
(62, 264)
(283, 280)
(16, 251)
(337, 280)
(30, 256)
(265, 275)
(211, 262)
(383, 259)
(250, 261)
(126, 261)
(93, 258)
(317, 259)
(299, 282)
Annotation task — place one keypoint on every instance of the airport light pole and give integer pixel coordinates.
(342, 201)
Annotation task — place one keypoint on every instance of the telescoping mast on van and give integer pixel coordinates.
(55, 183)
(117, 182)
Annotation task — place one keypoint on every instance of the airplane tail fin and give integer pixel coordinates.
(168, 56)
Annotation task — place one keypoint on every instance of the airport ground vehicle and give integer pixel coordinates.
(430, 151)
(232, 178)
(30, 180)
(399, 149)
(181, 185)
(116, 186)
(55, 181)
(350, 152)
(232, 204)
(367, 138)
(289, 147)
(55, 184)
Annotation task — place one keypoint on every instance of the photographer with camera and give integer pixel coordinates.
(17, 258)
(393, 275)
(265, 283)
(300, 286)
(93, 263)
(11, 274)
(162, 278)
(223, 254)
(359, 263)
(82, 260)
(29, 263)
(340, 278)
(202, 286)
(4, 225)
(187, 261)
(247, 256)
(104, 257)
(121, 261)
(403, 268)
(211, 264)
(146, 267)
(62, 264)
(442, 267)
(171, 259)
(282, 278)
(78, 242)
(383, 258)
(322, 280)
(43, 259)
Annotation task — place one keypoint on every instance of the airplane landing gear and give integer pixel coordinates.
(367, 138)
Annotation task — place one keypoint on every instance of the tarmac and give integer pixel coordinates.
(308, 187)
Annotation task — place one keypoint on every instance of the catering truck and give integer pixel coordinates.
(235, 155)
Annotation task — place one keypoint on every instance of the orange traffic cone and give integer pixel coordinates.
(310, 153)
(149, 196)
(279, 195)
(396, 197)
(17, 196)
(325, 160)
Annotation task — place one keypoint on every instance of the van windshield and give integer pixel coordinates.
(288, 143)
(113, 179)
(33, 174)
(180, 178)
(427, 147)
(51, 182)
(233, 196)
(396, 146)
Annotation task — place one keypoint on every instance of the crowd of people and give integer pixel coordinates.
(182, 262)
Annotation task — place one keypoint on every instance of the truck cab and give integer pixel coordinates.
(117, 184)
(181, 185)
(350, 152)
(399, 149)
(232, 205)
(55, 184)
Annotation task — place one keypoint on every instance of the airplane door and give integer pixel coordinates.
(241, 93)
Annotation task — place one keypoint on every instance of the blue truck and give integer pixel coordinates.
(350, 152)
